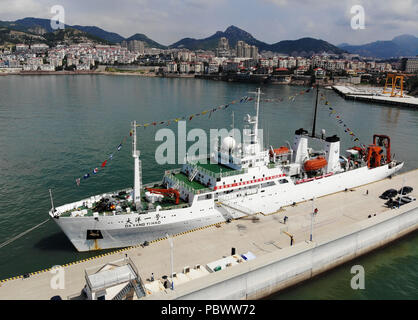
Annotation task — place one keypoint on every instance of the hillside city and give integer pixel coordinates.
(240, 62)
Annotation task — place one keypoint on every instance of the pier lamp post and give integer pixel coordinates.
(171, 258)
(313, 214)
(403, 185)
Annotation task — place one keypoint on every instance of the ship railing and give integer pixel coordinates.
(218, 174)
(185, 186)
(194, 159)
(175, 206)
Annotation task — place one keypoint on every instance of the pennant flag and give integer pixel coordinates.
(119, 147)
(104, 163)
(87, 175)
(77, 181)
(95, 170)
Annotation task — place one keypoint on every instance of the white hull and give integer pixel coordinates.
(133, 229)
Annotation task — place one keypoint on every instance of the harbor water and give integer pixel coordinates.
(55, 129)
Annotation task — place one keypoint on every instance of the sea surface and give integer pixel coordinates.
(54, 129)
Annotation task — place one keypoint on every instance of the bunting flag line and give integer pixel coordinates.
(104, 163)
(339, 119)
(243, 99)
(221, 107)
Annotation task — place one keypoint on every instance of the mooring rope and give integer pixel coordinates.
(22, 234)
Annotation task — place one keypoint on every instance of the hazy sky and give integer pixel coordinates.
(167, 21)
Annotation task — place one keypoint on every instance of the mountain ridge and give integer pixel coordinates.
(402, 45)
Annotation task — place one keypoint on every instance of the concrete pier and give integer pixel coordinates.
(374, 95)
(347, 225)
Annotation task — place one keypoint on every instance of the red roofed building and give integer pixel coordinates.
(281, 71)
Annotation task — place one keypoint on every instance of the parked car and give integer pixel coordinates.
(405, 190)
(388, 194)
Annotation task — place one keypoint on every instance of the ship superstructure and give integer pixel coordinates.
(236, 180)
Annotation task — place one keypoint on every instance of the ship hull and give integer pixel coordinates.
(76, 230)
(134, 229)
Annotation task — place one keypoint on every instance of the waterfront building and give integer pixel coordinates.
(22, 47)
(136, 46)
(172, 67)
(199, 67)
(184, 67)
(223, 48)
(39, 47)
(245, 50)
(213, 67)
(300, 70)
(409, 65)
(319, 72)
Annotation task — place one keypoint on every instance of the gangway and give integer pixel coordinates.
(246, 211)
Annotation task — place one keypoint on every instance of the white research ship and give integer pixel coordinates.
(235, 181)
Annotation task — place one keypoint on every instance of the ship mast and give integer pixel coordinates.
(137, 170)
(257, 106)
(316, 108)
(252, 121)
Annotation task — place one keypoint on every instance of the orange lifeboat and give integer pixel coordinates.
(279, 151)
(315, 164)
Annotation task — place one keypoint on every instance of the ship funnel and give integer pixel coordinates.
(332, 151)
(300, 145)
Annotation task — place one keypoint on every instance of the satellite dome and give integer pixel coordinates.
(228, 143)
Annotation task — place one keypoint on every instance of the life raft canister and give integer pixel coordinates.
(315, 164)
